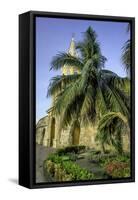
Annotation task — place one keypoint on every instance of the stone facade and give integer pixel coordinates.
(48, 134)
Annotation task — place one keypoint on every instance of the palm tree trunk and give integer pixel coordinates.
(119, 143)
(103, 148)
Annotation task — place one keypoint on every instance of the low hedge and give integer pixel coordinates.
(66, 170)
(71, 149)
(104, 159)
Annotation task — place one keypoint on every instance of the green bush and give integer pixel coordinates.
(71, 149)
(101, 158)
(54, 158)
(97, 152)
(123, 158)
(72, 156)
(76, 171)
(104, 160)
(66, 170)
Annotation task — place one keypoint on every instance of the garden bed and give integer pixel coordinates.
(116, 166)
(65, 170)
(80, 163)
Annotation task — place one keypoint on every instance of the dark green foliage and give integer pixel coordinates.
(71, 149)
(107, 159)
(62, 59)
(126, 53)
(126, 59)
(111, 128)
(100, 158)
(57, 83)
(72, 156)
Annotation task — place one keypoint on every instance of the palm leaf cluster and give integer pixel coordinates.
(126, 54)
(112, 127)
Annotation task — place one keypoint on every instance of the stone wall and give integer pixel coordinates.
(64, 137)
(87, 136)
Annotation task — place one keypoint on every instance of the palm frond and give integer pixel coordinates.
(111, 128)
(90, 49)
(65, 59)
(115, 80)
(58, 83)
(116, 99)
(88, 109)
(67, 96)
(126, 57)
(90, 35)
(83, 50)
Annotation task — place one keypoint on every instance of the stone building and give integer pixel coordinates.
(47, 128)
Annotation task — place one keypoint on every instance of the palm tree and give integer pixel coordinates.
(93, 92)
(111, 128)
(126, 55)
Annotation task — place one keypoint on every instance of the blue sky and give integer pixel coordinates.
(54, 36)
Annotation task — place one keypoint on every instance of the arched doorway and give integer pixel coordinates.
(42, 137)
(52, 133)
(76, 134)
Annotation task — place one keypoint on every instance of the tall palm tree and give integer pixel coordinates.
(93, 92)
(111, 128)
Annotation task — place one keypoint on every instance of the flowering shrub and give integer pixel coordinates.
(115, 166)
(118, 169)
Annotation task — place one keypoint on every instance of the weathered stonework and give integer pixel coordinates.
(86, 135)
(49, 135)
